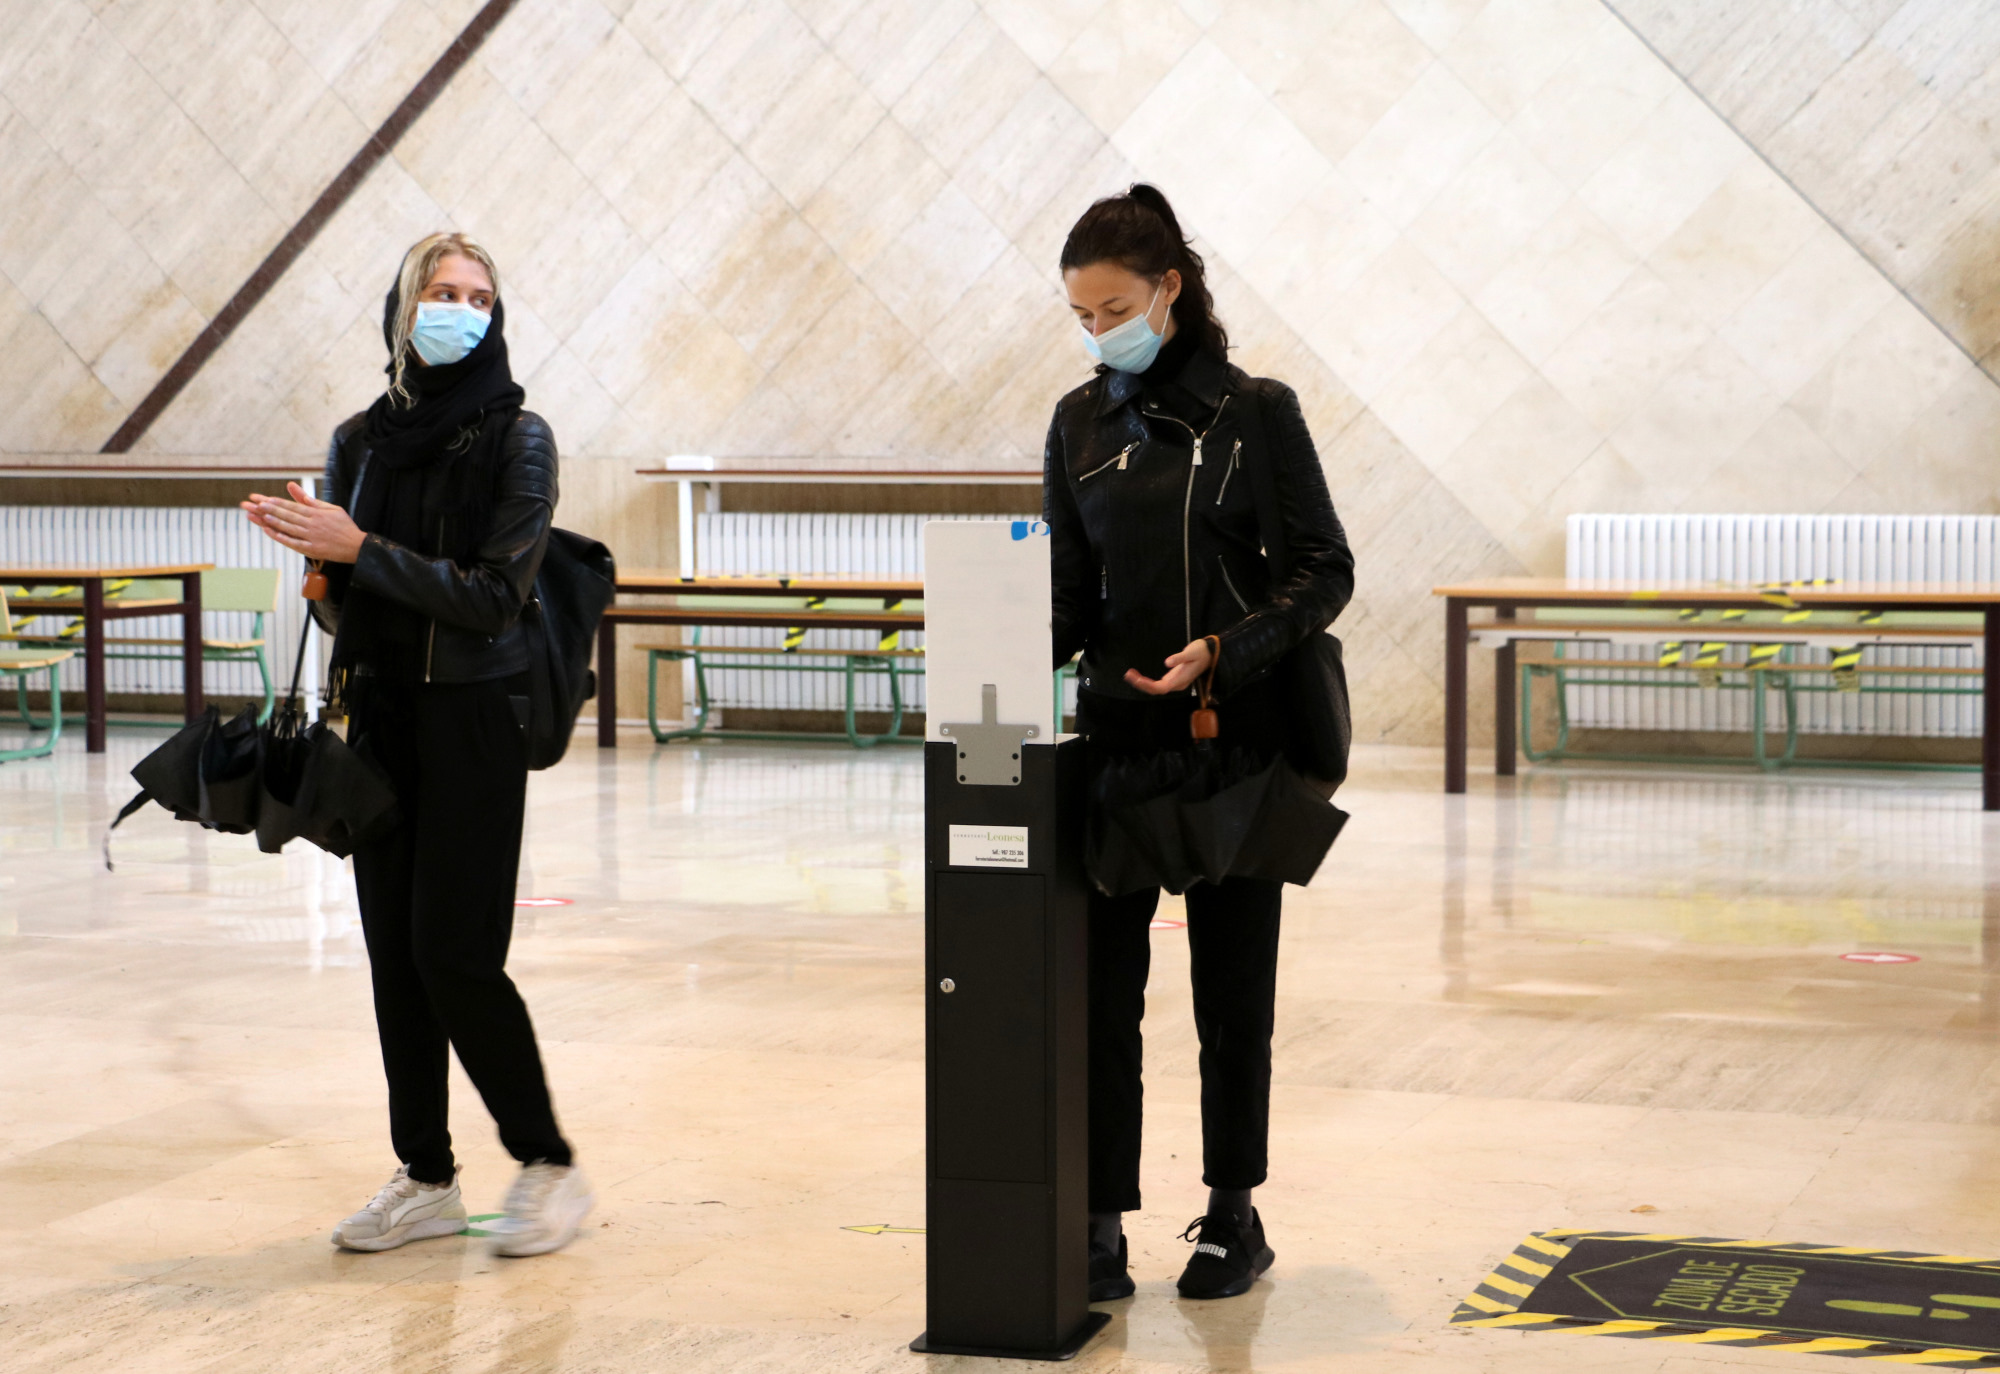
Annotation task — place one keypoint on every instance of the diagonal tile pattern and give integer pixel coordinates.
(1886, 117)
(1514, 263)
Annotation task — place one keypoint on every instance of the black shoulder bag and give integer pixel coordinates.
(1312, 679)
(574, 586)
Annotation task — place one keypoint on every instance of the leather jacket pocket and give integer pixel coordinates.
(1222, 564)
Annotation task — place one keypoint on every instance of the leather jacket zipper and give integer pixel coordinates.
(1230, 583)
(1187, 509)
(1119, 462)
(1235, 461)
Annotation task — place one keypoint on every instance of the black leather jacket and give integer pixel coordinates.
(1153, 546)
(474, 608)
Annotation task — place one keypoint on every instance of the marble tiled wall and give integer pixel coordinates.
(1885, 114)
(1514, 264)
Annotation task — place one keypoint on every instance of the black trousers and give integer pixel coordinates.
(1233, 949)
(437, 910)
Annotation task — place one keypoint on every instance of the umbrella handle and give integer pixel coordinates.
(298, 668)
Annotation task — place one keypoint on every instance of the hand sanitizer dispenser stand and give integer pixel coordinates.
(1004, 901)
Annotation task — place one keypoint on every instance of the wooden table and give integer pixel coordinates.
(1509, 595)
(96, 610)
(662, 582)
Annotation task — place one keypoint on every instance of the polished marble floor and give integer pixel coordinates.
(1591, 997)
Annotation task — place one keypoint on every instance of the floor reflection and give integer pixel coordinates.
(1551, 1001)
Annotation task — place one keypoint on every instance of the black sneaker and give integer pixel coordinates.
(1109, 1280)
(1227, 1258)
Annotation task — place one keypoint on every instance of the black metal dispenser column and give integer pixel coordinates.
(1008, 1245)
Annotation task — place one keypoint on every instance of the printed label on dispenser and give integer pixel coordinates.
(989, 846)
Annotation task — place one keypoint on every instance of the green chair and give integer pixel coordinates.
(21, 664)
(241, 591)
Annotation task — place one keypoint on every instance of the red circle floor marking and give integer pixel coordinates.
(1164, 924)
(1872, 957)
(543, 901)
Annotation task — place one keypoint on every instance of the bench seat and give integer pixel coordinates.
(895, 663)
(1692, 646)
(690, 650)
(1496, 632)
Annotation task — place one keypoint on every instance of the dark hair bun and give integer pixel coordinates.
(1155, 200)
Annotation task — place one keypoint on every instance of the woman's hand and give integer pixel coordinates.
(1183, 669)
(317, 529)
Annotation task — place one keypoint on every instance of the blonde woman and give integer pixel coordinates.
(438, 501)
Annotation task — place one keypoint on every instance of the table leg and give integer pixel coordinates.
(93, 665)
(1989, 746)
(607, 683)
(194, 698)
(1454, 694)
(1504, 680)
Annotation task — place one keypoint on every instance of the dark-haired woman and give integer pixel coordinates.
(437, 508)
(1161, 581)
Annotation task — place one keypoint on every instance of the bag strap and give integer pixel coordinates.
(1207, 680)
(1264, 484)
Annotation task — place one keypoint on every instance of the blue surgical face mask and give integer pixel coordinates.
(446, 332)
(1131, 346)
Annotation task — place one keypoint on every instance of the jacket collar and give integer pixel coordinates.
(1205, 376)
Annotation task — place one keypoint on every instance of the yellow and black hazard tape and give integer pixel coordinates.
(795, 635)
(1496, 1303)
(1708, 665)
(1764, 655)
(1847, 667)
(1780, 593)
(1670, 654)
(75, 628)
(23, 609)
(891, 639)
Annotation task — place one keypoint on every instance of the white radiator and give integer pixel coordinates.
(140, 535)
(1740, 549)
(767, 544)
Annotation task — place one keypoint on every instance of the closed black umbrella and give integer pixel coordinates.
(316, 788)
(1172, 818)
(1179, 817)
(283, 780)
(207, 773)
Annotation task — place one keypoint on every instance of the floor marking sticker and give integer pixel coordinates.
(543, 901)
(1879, 957)
(1893, 1306)
(1162, 923)
(472, 1223)
(892, 1230)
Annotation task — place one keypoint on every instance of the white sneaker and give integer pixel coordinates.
(542, 1211)
(405, 1210)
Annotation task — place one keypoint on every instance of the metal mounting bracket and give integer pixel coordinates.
(989, 753)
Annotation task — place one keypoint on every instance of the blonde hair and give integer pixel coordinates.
(420, 264)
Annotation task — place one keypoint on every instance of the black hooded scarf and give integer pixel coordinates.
(433, 470)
